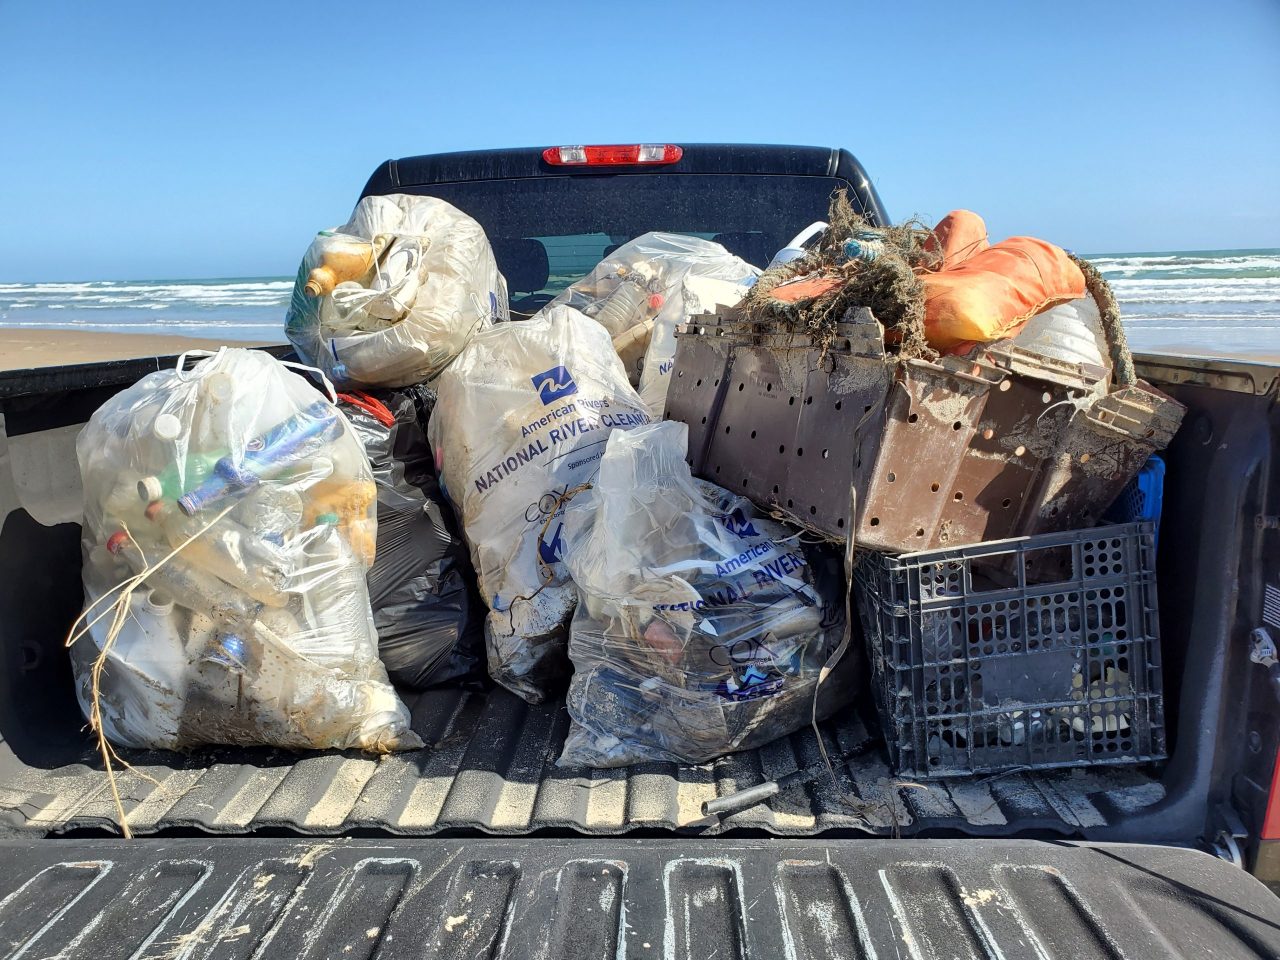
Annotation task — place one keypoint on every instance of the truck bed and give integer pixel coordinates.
(489, 765)
(586, 898)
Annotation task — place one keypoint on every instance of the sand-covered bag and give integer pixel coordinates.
(390, 297)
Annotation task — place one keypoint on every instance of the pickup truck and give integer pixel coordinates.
(480, 846)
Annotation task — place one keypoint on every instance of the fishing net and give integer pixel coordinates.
(888, 284)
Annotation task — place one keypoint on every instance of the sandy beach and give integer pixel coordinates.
(28, 348)
(1270, 357)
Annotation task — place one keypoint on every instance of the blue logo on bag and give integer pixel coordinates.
(553, 384)
(553, 551)
(738, 524)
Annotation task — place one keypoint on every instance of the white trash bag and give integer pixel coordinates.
(646, 288)
(258, 630)
(519, 427)
(701, 627)
(390, 297)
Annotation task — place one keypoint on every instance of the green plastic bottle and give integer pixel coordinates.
(171, 483)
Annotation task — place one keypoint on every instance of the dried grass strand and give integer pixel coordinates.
(118, 610)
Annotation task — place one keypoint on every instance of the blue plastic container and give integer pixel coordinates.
(1142, 498)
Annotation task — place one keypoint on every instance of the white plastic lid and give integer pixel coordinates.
(167, 427)
(220, 386)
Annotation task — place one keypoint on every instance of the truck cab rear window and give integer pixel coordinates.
(549, 231)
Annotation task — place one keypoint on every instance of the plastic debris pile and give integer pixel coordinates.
(501, 503)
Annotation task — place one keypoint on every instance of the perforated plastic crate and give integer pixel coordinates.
(1036, 652)
(1142, 498)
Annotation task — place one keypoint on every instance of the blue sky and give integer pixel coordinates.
(157, 140)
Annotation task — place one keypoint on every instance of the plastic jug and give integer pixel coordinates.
(342, 258)
(799, 244)
(142, 688)
(150, 642)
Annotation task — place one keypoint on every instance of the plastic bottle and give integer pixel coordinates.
(288, 443)
(166, 428)
(189, 586)
(337, 599)
(864, 245)
(395, 287)
(348, 504)
(231, 552)
(178, 478)
(342, 258)
(214, 416)
(630, 346)
(625, 307)
(121, 506)
(274, 512)
(227, 650)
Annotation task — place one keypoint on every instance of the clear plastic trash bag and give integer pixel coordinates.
(701, 627)
(429, 617)
(520, 424)
(391, 296)
(258, 630)
(647, 287)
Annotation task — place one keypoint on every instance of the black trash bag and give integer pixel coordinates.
(426, 608)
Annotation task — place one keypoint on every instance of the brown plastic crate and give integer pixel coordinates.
(1005, 443)
(1000, 444)
(776, 418)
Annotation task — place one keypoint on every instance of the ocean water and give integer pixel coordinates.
(236, 308)
(1210, 301)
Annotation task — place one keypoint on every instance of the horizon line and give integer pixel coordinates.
(286, 278)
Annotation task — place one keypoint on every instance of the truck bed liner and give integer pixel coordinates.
(490, 766)
(677, 898)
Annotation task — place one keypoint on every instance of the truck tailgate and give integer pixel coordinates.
(552, 898)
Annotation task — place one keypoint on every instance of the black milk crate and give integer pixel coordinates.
(1036, 652)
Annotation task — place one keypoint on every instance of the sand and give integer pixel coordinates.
(1269, 357)
(29, 348)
